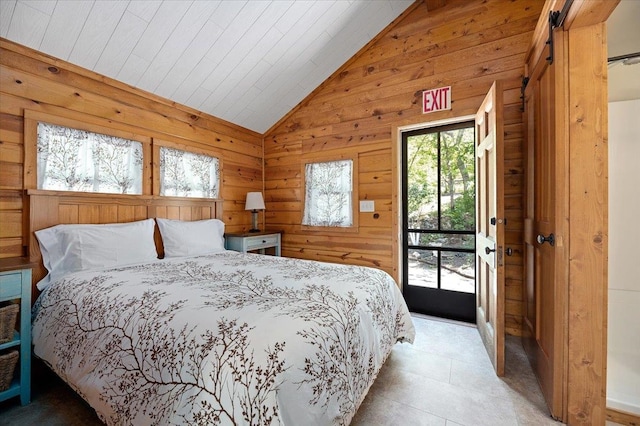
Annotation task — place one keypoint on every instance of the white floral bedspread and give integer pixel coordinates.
(228, 338)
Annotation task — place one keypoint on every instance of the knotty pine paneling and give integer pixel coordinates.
(27, 82)
(465, 44)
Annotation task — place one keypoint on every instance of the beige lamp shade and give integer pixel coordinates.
(254, 201)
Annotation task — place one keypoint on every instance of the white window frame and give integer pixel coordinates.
(83, 123)
(158, 184)
(77, 160)
(308, 223)
(194, 183)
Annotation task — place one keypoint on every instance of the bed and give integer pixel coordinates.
(215, 336)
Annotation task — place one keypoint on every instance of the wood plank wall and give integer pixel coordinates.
(28, 81)
(466, 44)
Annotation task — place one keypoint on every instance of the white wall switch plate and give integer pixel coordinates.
(367, 206)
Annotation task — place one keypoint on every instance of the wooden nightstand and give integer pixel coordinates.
(250, 241)
(15, 283)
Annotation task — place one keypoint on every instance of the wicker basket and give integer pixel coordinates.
(8, 316)
(8, 363)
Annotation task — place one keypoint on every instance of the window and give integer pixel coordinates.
(79, 160)
(438, 190)
(88, 154)
(439, 185)
(187, 174)
(329, 194)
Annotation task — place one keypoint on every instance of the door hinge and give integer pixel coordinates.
(556, 19)
(525, 81)
(553, 24)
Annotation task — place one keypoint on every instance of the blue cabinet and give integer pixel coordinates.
(15, 285)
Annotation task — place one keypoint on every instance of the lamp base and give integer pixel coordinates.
(254, 221)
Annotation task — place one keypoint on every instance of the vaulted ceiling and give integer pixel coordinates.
(248, 62)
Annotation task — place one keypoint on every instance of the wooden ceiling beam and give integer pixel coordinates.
(434, 4)
(583, 13)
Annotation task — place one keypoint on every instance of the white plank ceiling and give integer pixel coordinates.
(248, 62)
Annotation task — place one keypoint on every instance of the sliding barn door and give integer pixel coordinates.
(490, 226)
(565, 318)
(545, 274)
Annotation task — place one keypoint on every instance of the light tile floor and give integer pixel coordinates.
(445, 378)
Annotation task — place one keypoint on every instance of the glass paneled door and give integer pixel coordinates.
(439, 220)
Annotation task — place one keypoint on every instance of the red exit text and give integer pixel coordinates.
(436, 99)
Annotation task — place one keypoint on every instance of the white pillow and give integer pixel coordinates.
(184, 238)
(71, 248)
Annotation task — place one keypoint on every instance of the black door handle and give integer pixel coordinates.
(551, 239)
(509, 251)
(488, 250)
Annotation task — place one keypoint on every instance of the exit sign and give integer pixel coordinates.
(436, 99)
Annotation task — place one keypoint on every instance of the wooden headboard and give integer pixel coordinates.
(49, 208)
